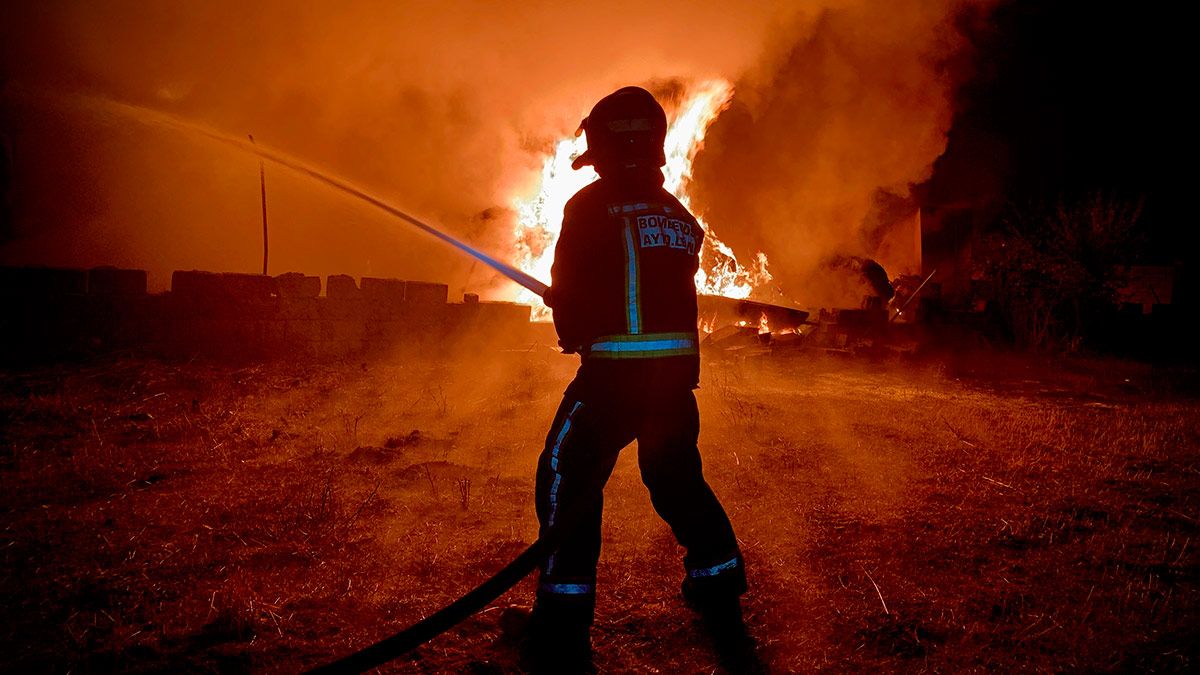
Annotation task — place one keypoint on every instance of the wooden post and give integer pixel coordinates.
(262, 182)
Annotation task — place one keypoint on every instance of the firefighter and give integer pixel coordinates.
(624, 299)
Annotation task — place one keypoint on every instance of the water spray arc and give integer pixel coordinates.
(507, 270)
(274, 156)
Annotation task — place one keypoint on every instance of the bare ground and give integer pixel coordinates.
(895, 516)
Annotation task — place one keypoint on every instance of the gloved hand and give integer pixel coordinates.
(550, 297)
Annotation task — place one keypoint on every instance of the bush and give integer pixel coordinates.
(1056, 268)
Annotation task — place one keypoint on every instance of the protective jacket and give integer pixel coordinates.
(623, 276)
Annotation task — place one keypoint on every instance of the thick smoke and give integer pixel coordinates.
(445, 109)
(816, 156)
(442, 108)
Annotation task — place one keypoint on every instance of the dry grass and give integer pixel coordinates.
(895, 516)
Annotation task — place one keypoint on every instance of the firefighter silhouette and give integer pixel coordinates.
(624, 299)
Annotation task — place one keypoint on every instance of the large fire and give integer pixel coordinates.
(539, 217)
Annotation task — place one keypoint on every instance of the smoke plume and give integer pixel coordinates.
(445, 109)
(816, 156)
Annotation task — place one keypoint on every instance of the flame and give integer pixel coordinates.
(539, 217)
(763, 325)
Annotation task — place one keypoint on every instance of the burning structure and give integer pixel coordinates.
(721, 276)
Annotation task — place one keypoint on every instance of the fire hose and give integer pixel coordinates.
(449, 616)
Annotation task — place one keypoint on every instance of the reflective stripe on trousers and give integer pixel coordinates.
(714, 570)
(566, 589)
(558, 441)
(554, 460)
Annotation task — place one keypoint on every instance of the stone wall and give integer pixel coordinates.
(48, 313)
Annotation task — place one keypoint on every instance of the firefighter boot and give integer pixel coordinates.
(557, 639)
(716, 598)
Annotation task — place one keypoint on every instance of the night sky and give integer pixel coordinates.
(1068, 99)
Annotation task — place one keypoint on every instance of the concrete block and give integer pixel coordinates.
(425, 318)
(273, 334)
(42, 281)
(250, 287)
(344, 308)
(341, 286)
(388, 331)
(195, 294)
(302, 331)
(193, 283)
(223, 331)
(297, 285)
(224, 295)
(299, 309)
(342, 331)
(426, 293)
(114, 281)
(185, 333)
(153, 317)
(111, 320)
(499, 323)
(504, 313)
(160, 306)
(223, 287)
(384, 297)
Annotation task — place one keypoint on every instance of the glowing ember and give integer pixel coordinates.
(539, 218)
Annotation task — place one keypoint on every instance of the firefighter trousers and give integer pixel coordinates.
(595, 421)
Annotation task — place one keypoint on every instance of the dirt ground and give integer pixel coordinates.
(977, 513)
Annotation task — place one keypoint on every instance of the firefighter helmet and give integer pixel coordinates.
(627, 128)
